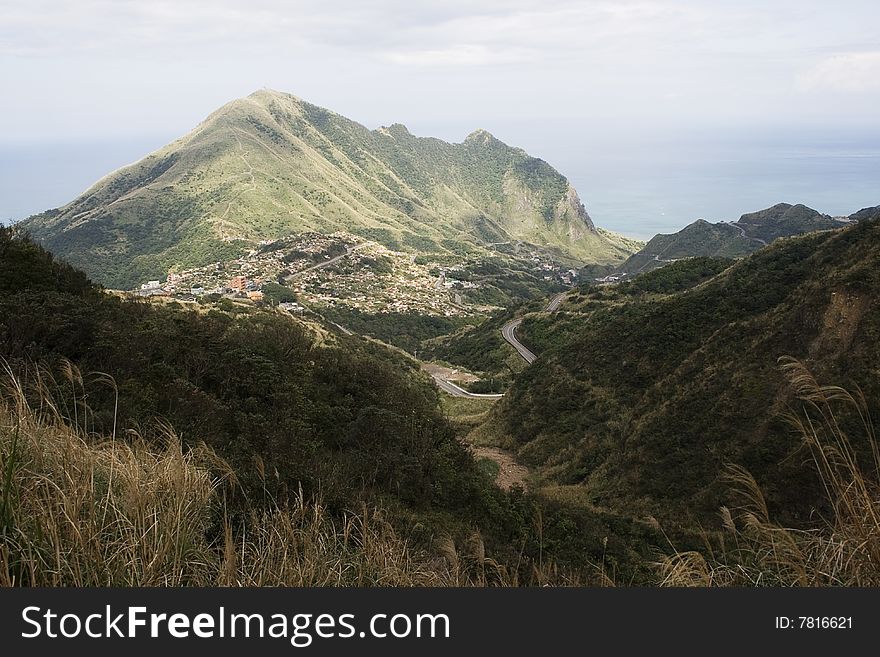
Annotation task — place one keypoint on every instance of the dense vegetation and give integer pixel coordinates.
(675, 277)
(730, 240)
(639, 400)
(292, 410)
(404, 330)
(784, 220)
(75, 511)
(843, 547)
(480, 348)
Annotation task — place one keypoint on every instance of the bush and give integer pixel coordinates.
(843, 550)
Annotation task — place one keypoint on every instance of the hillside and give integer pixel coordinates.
(296, 410)
(643, 392)
(61, 525)
(250, 384)
(729, 240)
(271, 165)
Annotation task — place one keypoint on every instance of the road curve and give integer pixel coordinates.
(555, 302)
(508, 332)
(743, 233)
(456, 391)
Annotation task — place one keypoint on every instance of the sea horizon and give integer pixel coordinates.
(635, 186)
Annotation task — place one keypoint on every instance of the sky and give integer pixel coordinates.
(596, 88)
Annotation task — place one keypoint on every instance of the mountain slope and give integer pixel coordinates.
(638, 400)
(293, 407)
(271, 165)
(729, 240)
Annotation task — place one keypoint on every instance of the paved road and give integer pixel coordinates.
(342, 328)
(349, 250)
(743, 233)
(556, 301)
(455, 391)
(508, 331)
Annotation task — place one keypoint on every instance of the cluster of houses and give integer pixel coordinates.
(238, 287)
(552, 270)
(610, 279)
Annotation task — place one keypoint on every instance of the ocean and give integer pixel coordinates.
(635, 186)
(662, 192)
(39, 176)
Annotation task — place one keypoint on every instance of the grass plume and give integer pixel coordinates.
(77, 509)
(843, 546)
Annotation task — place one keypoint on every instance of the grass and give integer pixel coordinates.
(85, 510)
(110, 513)
(465, 409)
(843, 549)
(82, 509)
(489, 466)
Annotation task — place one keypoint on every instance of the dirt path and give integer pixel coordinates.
(510, 473)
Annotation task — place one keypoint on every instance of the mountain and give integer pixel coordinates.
(288, 405)
(639, 398)
(296, 409)
(271, 165)
(729, 240)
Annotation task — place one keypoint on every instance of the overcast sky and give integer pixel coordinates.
(79, 70)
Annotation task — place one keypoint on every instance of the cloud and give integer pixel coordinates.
(849, 72)
(461, 55)
(431, 33)
(620, 60)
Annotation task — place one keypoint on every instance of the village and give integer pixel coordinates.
(316, 271)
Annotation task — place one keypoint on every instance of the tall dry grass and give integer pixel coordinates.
(77, 509)
(844, 549)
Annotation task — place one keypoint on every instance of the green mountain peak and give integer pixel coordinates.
(749, 233)
(271, 165)
(396, 130)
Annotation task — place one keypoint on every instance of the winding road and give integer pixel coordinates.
(555, 302)
(743, 233)
(508, 331)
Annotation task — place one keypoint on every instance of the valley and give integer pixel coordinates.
(337, 318)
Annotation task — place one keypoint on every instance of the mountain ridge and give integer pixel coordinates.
(270, 165)
(734, 239)
(640, 396)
